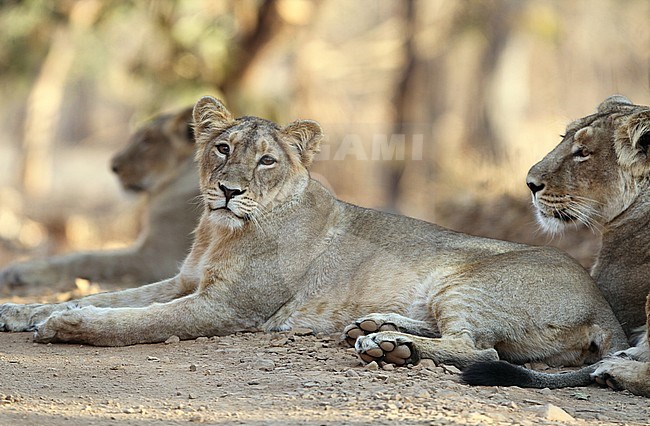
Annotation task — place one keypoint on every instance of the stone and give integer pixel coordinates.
(351, 373)
(450, 369)
(172, 340)
(302, 331)
(264, 364)
(372, 366)
(554, 413)
(426, 363)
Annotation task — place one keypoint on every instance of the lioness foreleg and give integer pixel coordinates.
(16, 317)
(187, 317)
(400, 349)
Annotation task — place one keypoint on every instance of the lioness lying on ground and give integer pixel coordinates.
(599, 175)
(274, 250)
(159, 162)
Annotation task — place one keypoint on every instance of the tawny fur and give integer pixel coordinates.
(599, 175)
(158, 161)
(274, 250)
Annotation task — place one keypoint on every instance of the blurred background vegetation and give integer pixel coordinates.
(473, 91)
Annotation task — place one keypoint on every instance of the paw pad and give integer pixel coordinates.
(380, 347)
(364, 327)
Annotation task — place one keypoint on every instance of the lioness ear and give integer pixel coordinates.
(612, 102)
(632, 142)
(210, 116)
(639, 131)
(305, 136)
(183, 125)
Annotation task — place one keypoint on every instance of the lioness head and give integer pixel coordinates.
(155, 151)
(597, 170)
(248, 166)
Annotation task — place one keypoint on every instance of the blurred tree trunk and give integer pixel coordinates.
(496, 20)
(45, 100)
(267, 26)
(402, 97)
(42, 115)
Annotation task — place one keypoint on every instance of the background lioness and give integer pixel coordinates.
(157, 161)
(274, 249)
(599, 175)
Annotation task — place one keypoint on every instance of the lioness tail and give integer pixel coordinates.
(502, 373)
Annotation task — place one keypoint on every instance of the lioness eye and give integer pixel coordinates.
(581, 152)
(223, 148)
(267, 160)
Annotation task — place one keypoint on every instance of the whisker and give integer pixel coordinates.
(588, 200)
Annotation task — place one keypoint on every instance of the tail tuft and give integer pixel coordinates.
(496, 373)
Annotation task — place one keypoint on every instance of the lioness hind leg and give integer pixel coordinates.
(619, 374)
(641, 352)
(400, 349)
(373, 323)
(628, 369)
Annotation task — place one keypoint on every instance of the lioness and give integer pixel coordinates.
(599, 175)
(159, 161)
(274, 250)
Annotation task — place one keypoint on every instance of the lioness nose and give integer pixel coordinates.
(534, 186)
(230, 192)
(115, 167)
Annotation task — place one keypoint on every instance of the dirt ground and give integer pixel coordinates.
(280, 378)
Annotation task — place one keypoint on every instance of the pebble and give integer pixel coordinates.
(426, 363)
(302, 331)
(372, 366)
(450, 369)
(192, 367)
(172, 340)
(554, 413)
(423, 394)
(153, 359)
(580, 396)
(351, 373)
(264, 364)
(202, 339)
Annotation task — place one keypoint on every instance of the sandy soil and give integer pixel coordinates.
(280, 378)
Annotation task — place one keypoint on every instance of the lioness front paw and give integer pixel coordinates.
(62, 326)
(34, 273)
(390, 347)
(17, 317)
